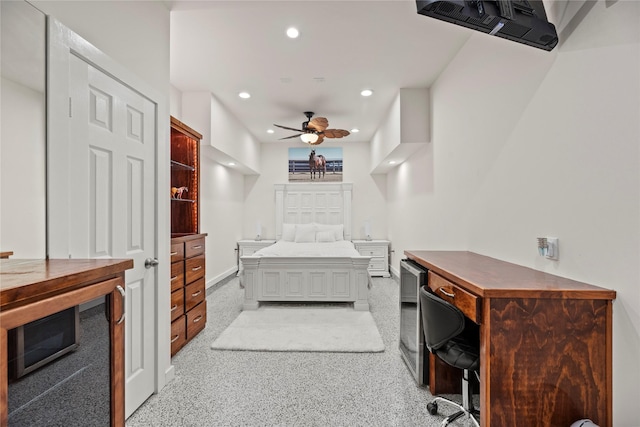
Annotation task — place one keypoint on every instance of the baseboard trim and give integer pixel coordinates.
(221, 279)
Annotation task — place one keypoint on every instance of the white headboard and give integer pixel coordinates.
(324, 203)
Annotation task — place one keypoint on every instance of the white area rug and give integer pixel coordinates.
(326, 329)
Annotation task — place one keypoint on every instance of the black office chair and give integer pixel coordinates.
(447, 337)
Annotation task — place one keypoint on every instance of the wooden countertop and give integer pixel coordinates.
(490, 277)
(23, 281)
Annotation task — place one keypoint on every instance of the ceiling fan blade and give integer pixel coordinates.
(335, 133)
(288, 128)
(292, 136)
(318, 123)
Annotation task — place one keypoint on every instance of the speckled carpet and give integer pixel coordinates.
(300, 328)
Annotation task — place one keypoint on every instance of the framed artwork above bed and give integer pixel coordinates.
(315, 164)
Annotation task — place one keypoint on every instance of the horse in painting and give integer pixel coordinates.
(317, 164)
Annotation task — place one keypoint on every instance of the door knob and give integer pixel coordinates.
(150, 262)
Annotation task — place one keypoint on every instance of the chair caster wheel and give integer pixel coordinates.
(432, 407)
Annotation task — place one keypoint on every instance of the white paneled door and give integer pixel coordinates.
(105, 137)
(111, 205)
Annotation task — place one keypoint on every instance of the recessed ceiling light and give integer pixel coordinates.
(244, 95)
(355, 130)
(269, 130)
(292, 32)
(366, 92)
(231, 164)
(392, 162)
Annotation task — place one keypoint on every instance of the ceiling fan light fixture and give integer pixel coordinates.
(309, 138)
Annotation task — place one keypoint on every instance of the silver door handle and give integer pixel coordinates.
(123, 294)
(150, 262)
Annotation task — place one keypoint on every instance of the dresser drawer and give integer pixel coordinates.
(177, 275)
(177, 251)
(378, 264)
(196, 319)
(194, 247)
(194, 268)
(467, 302)
(178, 334)
(376, 251)
(194, 293)
(177, 304)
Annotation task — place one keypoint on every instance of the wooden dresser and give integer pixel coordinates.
(188, 293)
(545, 340)
(33, 289)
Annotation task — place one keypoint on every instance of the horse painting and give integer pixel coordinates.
(317, 164)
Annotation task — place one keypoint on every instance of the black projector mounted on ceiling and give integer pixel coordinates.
(523, 21)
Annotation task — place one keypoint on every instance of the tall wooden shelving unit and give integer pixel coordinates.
(188, 291)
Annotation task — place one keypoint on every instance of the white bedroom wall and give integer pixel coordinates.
(142, 49)
(221, 186)
(221, 208)
(369, 191)
(547, 145)
(22, 171)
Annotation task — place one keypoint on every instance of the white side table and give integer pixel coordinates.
(378, 250)
(249, 247)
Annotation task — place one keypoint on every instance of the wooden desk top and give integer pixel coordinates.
(23, 281)
(490, 277)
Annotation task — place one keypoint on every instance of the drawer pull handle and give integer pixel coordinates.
(196, 247)
(196, 294)
(174, 308)
(174, 278)
(197, 319)
(174, 253)
(196, 268)
(174, 339)
(450, 295)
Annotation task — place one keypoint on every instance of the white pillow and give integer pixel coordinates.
(325, 236)
(288, 232)
(305, 233)
(338, 230)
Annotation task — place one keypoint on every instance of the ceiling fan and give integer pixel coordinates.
(314, 131)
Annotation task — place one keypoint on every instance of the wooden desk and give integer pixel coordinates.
(545, 341)
(33, 289)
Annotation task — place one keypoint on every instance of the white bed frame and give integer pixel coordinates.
(308, 279)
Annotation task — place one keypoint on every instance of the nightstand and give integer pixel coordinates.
(249, 247)
(378, 250)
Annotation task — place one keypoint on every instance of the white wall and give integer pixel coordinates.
(221, 207)
(547, 145)
(134, 33)
(22, 171)
(221, 186)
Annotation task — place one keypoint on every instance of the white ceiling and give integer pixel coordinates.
(225, 47)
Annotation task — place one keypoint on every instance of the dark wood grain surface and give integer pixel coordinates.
(491, 277)
(23, 281)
